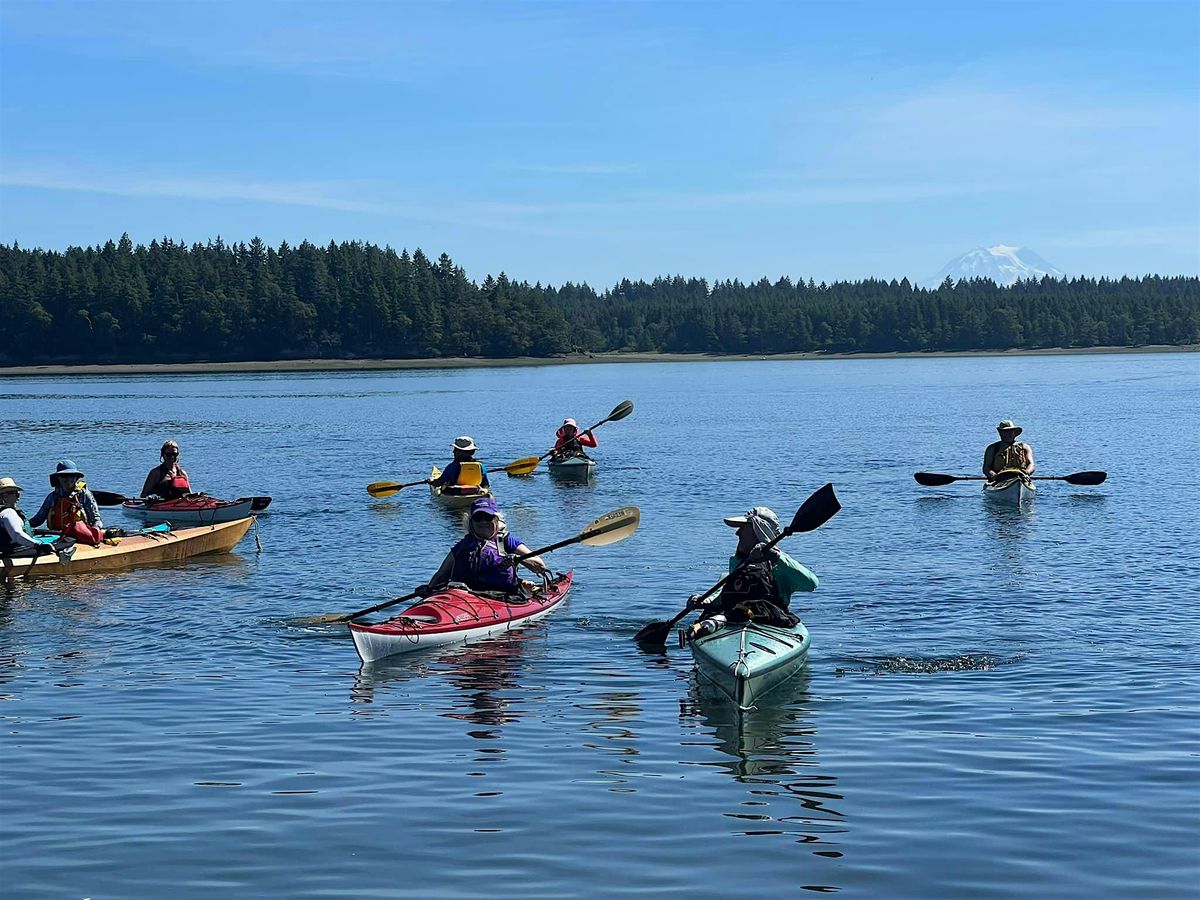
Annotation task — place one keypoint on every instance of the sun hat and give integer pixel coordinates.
(485, 504)
(572, 423)
(1009, 425)
(464, 443)
(765, 522)
(7, 484)
(65, 467)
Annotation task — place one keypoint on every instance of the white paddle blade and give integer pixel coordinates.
(612, 527)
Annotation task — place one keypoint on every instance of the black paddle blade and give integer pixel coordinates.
(815, 511)
(108, 498)
(1088, 478)
(654, 635)
(621, 410)
(934, 479)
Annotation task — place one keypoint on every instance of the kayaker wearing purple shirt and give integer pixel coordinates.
(479, 559)
(1006, 455)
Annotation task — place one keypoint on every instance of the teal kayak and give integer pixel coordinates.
(748, 660)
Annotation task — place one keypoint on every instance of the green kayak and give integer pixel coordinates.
(746, 661)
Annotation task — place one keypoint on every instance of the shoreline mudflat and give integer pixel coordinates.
(366, 365)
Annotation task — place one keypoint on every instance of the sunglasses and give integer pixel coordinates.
(483, 517)
(170, 455)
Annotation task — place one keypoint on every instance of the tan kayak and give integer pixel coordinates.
(137, 550)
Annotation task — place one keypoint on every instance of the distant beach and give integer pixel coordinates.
(367, 365)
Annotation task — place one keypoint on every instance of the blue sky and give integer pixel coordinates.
(592, 141)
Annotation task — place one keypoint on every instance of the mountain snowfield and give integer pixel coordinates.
(1003, 264)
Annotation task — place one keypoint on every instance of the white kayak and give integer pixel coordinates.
(1009, 491)
(197, 509)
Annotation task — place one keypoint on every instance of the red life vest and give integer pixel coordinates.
(65, 512)
(180, 485)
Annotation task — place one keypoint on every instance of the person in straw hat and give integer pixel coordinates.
(1008, 454)
(16, 534)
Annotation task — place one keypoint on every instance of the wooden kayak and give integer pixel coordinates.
(748, 660)
(133, 551)
(196, 510)
(576, 467)
(1011, 491)
(455, 616)
(454, 496)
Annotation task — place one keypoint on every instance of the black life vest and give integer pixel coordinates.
(751, 594)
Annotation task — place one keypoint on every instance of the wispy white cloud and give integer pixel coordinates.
(1184, 238)
(318, 194)
(574, 168)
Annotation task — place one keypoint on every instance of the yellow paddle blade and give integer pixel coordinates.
(612, 527)
(523, 466)
(383, 488)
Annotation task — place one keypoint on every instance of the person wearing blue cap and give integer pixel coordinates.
(70, 509)
(481, 560)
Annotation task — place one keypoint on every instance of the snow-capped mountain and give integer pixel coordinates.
(1004, 265)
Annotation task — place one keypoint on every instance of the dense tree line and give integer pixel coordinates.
(170, 302)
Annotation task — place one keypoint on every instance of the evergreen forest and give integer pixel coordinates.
(173, 302)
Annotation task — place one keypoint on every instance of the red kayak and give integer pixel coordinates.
(455, 616)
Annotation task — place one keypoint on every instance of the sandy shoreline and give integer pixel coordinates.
(363, 365)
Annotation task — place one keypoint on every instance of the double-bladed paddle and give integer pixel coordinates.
(608, 529)
(527, 464)
(110, 498)
(388, 488)
(936, 479)
(812, 514)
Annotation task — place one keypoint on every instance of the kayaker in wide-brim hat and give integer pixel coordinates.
(70, 509)
(1007, 455)
(771, 576)
(16, 533)
(481, 559)
(464, 452)
(568, 441)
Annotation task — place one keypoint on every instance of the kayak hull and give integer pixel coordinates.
(196, 510)
(455, 499)
(1011, 492)
(747, 661)
(575, 467)
(134, 551)
(455, 616)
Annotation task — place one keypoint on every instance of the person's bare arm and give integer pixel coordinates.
(1030, 465)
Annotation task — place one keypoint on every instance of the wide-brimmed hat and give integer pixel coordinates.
(572, 423)
(765, 522)
(464, 443)
(7, 484)
(485, 504)
(1009, 425)
(66, 467)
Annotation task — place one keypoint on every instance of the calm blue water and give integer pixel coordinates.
(998, 702)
